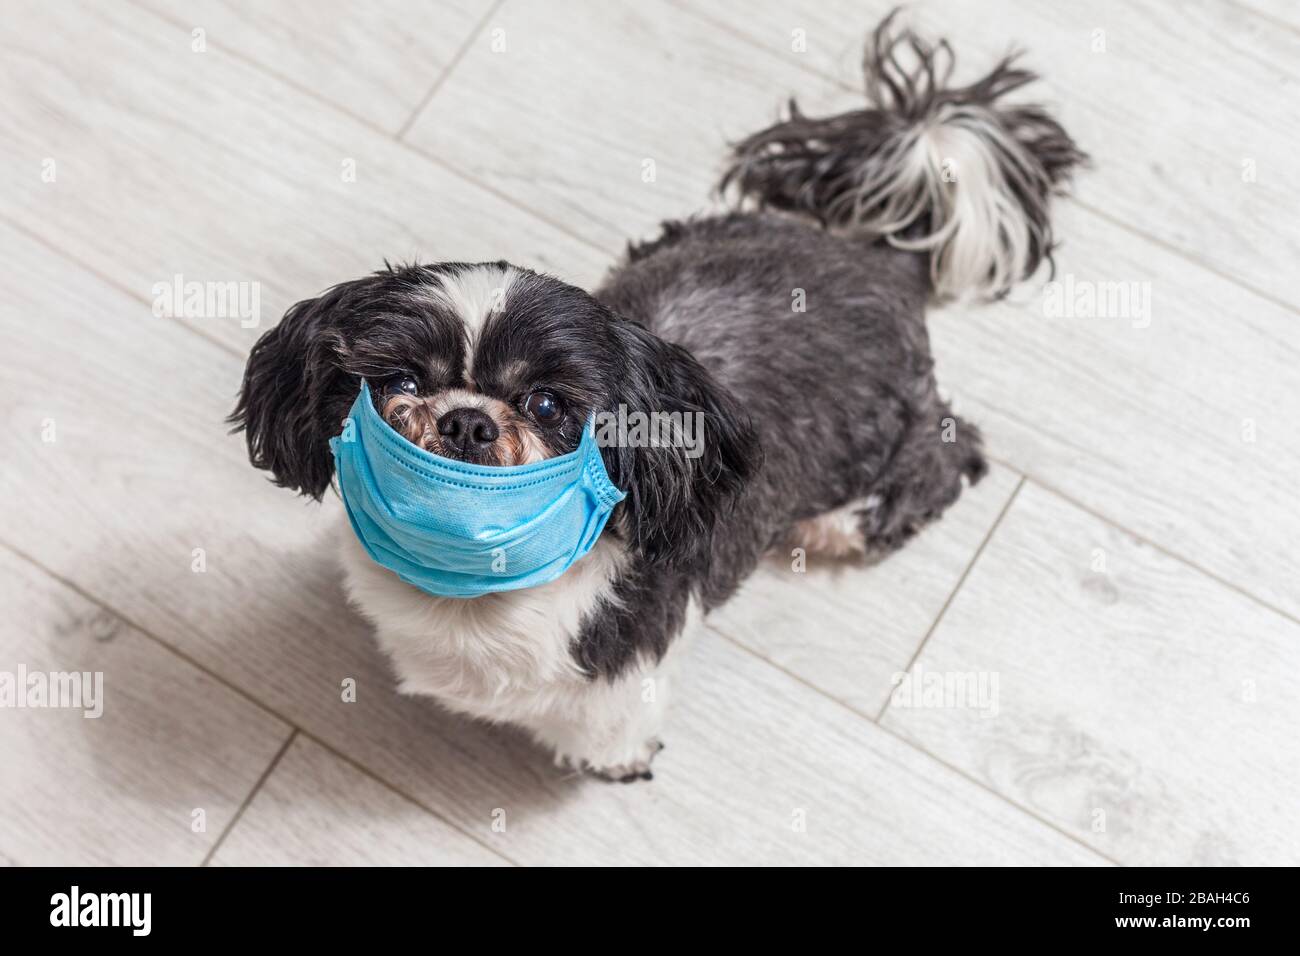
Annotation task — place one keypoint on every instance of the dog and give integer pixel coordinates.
(792, 328)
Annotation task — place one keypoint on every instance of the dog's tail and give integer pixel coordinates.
(950, 172)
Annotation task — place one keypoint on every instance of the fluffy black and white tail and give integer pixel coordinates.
(951, 172)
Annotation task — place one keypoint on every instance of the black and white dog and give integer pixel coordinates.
(823, 428)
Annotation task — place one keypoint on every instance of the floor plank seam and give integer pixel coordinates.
(938, 618)
(1144, 539)
(385, 134)
(1162, 549)
(447, 70)
(239, 813)
(146, 632)
(918, 748)
(1168, 552)
(113, 283)
(757, 44)
(1188, 257)
(414, 801)
(246, 695)
(1023, 809)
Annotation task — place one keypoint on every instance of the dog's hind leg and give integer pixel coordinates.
(922, 479)
(924, 476)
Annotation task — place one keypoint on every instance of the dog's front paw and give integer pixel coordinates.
(637, 768)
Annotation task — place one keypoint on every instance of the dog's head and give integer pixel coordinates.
(498, 365)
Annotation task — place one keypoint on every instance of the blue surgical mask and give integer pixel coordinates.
(460, 530)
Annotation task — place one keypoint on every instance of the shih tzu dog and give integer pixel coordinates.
(792, 330)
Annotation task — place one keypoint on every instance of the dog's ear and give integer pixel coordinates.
(676, 494)
(294, 396)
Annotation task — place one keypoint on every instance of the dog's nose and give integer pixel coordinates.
(467, 431)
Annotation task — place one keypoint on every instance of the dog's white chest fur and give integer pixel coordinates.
(490, 656)
(508, 657)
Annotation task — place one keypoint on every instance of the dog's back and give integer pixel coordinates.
(812, 315)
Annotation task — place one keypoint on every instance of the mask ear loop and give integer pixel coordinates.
(602, 486)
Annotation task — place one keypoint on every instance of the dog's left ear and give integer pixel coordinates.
(295, 394)
(676, 492)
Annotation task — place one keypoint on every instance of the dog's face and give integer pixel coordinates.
(485, 364)
(495, 365)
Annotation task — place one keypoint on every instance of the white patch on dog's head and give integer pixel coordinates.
(475, 294)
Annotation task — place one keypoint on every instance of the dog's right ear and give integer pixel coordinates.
(675, 501)
(294, 396)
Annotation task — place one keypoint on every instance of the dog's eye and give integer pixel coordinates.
(403, 383)
(544, 407)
